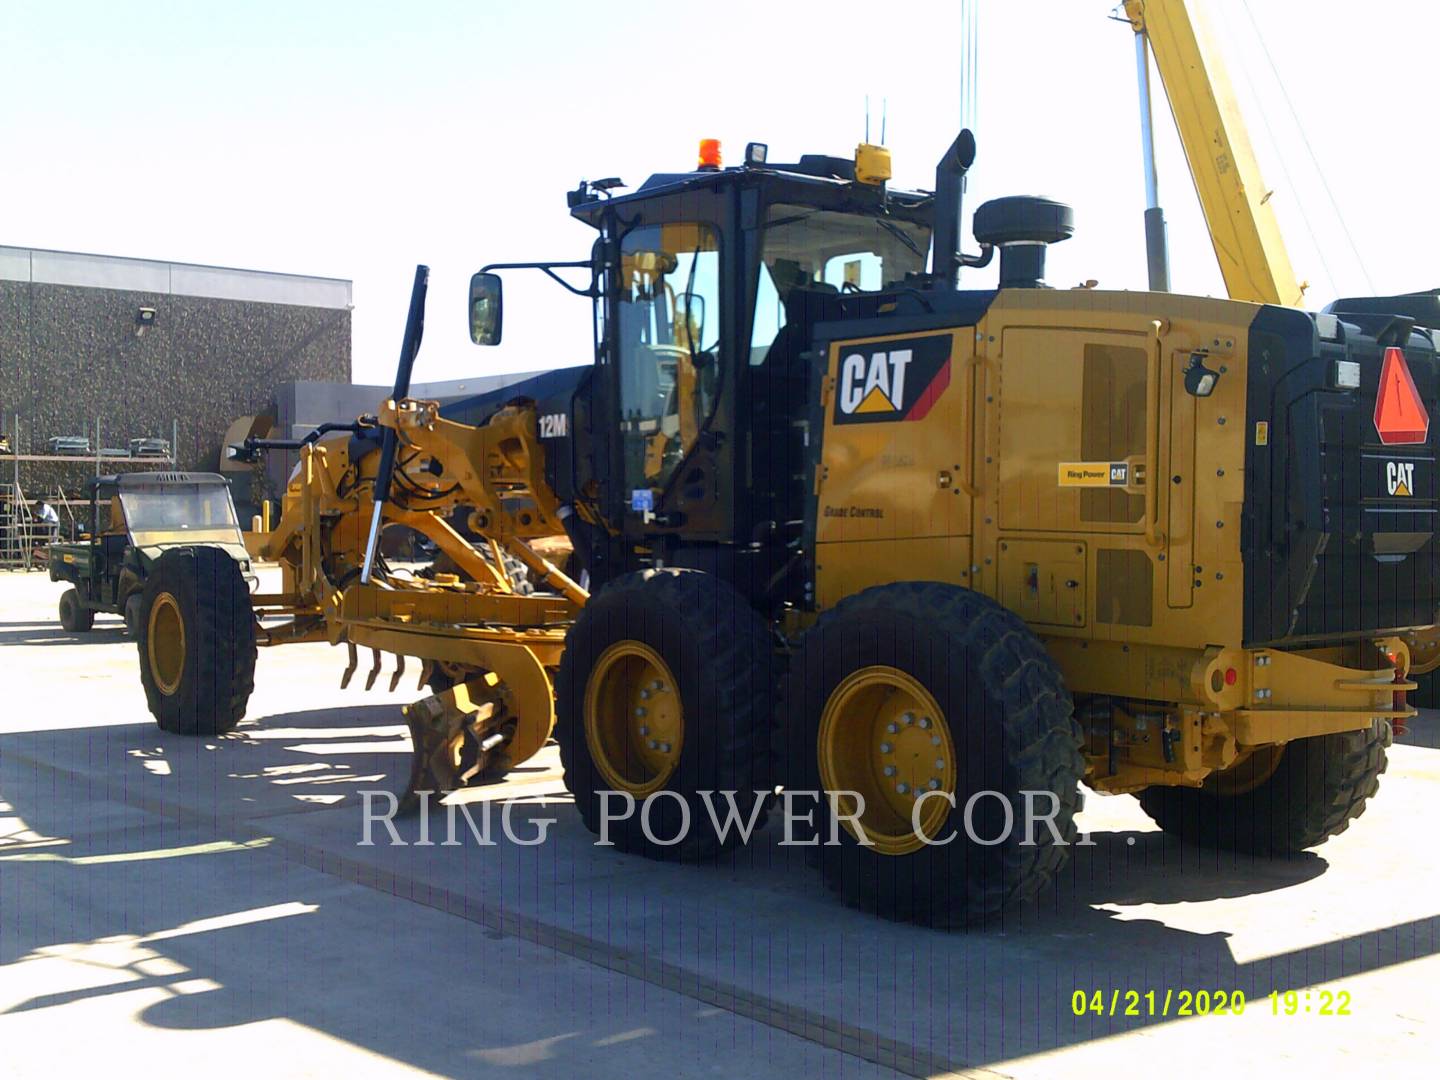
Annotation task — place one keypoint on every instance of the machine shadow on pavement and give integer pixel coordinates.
(31, 632)
(190, 933)
(166, 844)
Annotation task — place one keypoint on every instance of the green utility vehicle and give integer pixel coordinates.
(134, 519)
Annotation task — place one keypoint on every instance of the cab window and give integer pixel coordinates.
(669, 323)
(828, 251)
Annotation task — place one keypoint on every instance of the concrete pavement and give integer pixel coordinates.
(154, 888)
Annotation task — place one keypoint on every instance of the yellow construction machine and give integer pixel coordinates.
(922, 558)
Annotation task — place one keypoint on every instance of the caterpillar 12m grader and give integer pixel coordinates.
(850, 529)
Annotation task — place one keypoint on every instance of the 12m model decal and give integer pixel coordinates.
(886, 381)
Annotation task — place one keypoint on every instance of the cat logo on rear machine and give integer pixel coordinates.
(1400, 478)
(891, 380)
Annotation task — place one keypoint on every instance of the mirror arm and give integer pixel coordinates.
(249, 451)
(550, 268)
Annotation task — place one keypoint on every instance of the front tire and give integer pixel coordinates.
(1315, 789)
(74, 615)
(196, 640)
(915, 688)
(665, 690)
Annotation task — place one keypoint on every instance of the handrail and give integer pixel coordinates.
(967, 482)
(1153, 535)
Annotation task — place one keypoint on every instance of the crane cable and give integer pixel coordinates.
(969, 63)
(1282, 159)
(1315, 161)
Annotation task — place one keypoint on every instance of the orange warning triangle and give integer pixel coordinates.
(1400, 416)
(1401, 489)
(875, 401)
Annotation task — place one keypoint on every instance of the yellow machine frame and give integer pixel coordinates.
(1118, 602)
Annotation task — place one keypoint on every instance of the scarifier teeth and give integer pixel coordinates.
(399, 672)
(426, 669)
(349, 671)
(374, 671)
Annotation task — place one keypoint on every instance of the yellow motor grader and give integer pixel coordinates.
(923, 558)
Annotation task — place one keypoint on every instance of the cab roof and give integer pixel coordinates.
(816, 179)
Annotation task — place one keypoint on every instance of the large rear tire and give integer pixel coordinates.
(918, 687)
(74, 615)
(665, 690)
(1316, 788)
(196, 640)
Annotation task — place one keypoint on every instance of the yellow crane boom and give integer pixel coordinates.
(1234, 198)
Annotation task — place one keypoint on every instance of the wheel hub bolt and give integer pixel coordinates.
(924, 722)
(934, 740)
(644, 694)
(889, 770)
(903, 788)
(640, 711)
(908, 719)
(892, 727)
(657, 685)
(653, 745)
(644, 729)
(934, 784)
(664, 747)
(885, 748)
(939, 763)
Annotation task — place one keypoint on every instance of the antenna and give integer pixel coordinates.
(867, 119)
(884, 108)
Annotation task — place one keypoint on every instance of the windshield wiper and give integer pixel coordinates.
(778, 222)
(899, 234)
(690, 330)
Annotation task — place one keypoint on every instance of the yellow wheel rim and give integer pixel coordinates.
(165, 640)
(634, 722)
(1247, 774)
(883, 736)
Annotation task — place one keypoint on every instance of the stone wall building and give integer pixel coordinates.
(141, 345)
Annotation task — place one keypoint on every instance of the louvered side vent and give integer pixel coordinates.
(1112, 426)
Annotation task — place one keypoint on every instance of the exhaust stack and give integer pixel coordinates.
(949, 195)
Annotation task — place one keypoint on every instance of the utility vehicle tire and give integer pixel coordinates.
(686, 648)
(75, 616)
(924, 686)
(1318, 786)
(196, 639)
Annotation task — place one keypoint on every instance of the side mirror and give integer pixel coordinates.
(486, 309)
(690, 321)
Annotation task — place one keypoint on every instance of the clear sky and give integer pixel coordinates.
(354, 139)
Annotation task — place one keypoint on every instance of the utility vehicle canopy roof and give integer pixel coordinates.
(152, 481)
